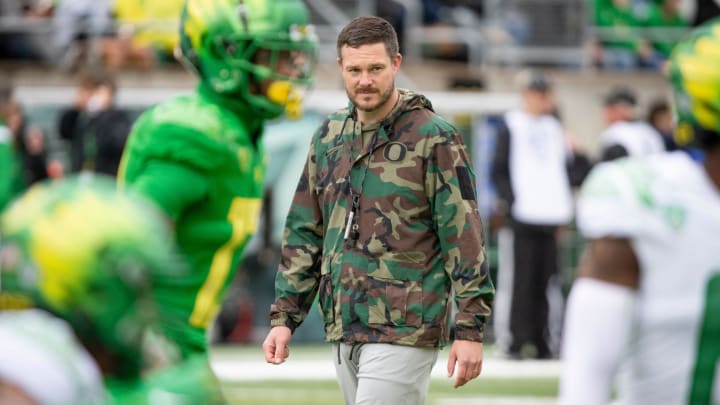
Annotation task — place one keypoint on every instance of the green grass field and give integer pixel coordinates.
(299, 392)
(327, 392)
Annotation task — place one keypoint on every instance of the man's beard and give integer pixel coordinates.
(384, 98)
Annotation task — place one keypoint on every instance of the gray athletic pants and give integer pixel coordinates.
(383, 374)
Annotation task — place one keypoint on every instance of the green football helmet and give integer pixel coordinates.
(234, 45)
(695, 79)
(87, 252)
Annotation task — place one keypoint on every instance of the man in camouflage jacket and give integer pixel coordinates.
(384, 223)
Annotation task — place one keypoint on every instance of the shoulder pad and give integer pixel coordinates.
(186, 131)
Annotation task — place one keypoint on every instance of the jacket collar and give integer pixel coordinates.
(408, 101)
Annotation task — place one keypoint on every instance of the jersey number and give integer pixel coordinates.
(708, 346)
(243, 215)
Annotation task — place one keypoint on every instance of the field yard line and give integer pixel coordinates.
(303, 369)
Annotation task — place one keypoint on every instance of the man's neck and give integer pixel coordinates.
(372, 117)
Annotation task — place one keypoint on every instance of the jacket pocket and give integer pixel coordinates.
(394, 302)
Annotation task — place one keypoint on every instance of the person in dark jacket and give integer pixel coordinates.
(95, 127)
(30, 143)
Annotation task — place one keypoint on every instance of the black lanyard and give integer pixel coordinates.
(352, 229)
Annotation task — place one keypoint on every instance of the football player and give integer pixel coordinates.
(644, 311)
(200, 157)
(77, 260)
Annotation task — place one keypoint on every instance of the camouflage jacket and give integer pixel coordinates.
(419, 233)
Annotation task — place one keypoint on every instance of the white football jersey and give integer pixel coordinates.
(670, 210)
(40, 354)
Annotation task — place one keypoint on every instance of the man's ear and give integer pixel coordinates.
(397, 60)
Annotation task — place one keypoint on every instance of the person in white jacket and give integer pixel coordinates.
(625, 135)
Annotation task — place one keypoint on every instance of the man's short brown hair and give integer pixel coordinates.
(367, 31)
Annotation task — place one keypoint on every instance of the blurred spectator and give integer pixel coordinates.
(618, 44)
(705, 10)
(38, 8)
(396, 14)
(53, 31)
(625, 135)
(70, 117)
(76, 23)
(95, 128)
(663, 14)
(22, 148)
(12, 44)
(476, 6)
(431, 11)
(30, 144)
(438, 16)
(661, 119)
(529, 171)
(516, 24)
(22, 36)
(146, 33)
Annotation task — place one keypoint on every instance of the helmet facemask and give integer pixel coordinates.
(277, 73)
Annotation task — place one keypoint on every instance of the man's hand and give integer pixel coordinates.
(276, 343)
(468, 356)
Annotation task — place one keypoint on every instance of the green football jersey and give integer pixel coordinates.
(11, 181)
(126, 392)
(200, 159)
(189, 382)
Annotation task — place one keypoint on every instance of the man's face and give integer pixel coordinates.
(540, 101)
(83, 94)
(369, 75)
(618, 112)
(14, 117)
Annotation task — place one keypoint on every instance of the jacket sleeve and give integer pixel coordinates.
(298, 276)
(115, 126)
(36, 166)
(578, 167)
(67, 124)
(451, 184)
(612, 152)
(500, 168)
